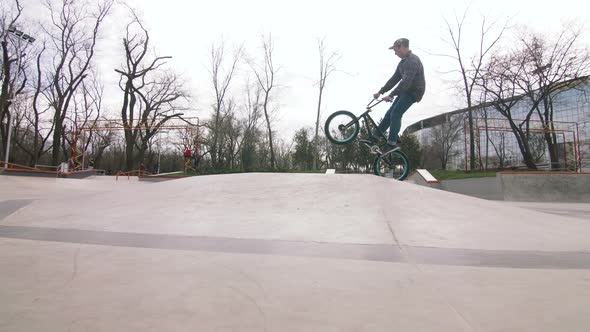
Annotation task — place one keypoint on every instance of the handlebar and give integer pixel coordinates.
(371, 105)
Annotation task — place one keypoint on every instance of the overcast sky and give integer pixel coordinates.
(361, 31)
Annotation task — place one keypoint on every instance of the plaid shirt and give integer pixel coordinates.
(411, 74)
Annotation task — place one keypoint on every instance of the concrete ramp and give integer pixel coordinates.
(286, 252)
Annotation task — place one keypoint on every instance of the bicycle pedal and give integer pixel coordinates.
(374, 149)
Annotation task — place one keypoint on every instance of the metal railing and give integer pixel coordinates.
(129, 174)
(38, 166)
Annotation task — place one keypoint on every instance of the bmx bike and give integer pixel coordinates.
(342, 127)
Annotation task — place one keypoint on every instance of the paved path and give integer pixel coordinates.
(574, 210)
(283, 252)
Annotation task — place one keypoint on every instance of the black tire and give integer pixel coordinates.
(395, 165)
(341, 127)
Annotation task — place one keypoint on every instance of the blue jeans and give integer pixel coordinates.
(393, 117)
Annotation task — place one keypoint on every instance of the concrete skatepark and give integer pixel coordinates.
(285, 252)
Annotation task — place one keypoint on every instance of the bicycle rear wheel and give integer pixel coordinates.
(394, 165)
(341, 127)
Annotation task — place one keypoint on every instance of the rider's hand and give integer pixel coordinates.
(387, 99)
(376, 95)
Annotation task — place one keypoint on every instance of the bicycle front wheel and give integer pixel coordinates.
(394, 165)
(341, 127)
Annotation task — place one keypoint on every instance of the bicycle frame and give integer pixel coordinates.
(367, 119)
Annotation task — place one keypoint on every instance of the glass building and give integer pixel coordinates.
(445, 137)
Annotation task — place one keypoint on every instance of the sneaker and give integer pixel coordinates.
(390, 147)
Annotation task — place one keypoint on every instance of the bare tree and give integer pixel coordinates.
(151, 96)
(221, 77)
(40, 109)
(498, 142)
(470, 67)
(500, 81)
(533, 73)
(14, 60)
(252, 107)
(250, 125)
(327, 67)
(283, 154)
(235, 136)
(444, 137)
(551, 66)
(38, 130)
(86, 111)
(100, 141)
(265, 72)
(73, 35)
(161, 100)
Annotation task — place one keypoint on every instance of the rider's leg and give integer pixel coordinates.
(386, 123)
(399, 107)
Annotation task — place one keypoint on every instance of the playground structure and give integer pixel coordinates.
(187, 130)
(495, 140)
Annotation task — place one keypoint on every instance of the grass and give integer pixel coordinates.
(456, 175)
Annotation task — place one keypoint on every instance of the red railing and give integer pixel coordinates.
(137, 172)
(16, 166)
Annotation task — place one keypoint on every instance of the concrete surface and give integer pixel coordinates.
(486, 188)
(545, 187)
(548, 187)
(79, 174)
(283, 252)
(573, 210)
(44, 174)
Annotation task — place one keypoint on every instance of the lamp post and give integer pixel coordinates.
(8, 124)
(12, 29)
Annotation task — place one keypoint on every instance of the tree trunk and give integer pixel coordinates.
(471, 138)
(56, 137)
(129, 150)
(267, 117)
(316, 140)
(4, 102)
(522, 140)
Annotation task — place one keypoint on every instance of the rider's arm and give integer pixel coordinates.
(392, 82)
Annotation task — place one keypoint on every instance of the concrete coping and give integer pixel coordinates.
(39, 172)
(429, 178)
